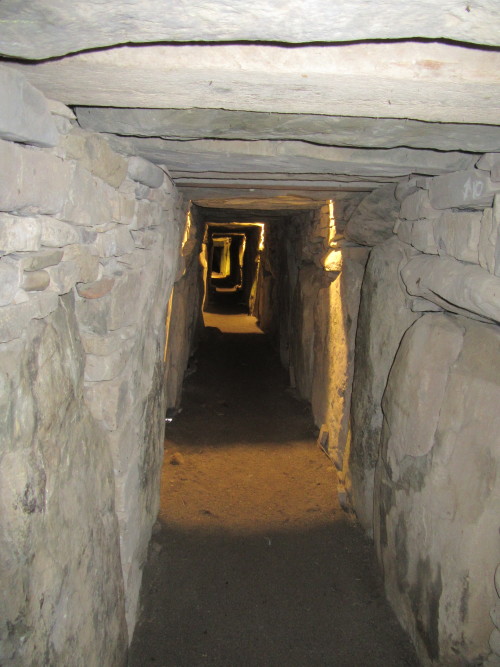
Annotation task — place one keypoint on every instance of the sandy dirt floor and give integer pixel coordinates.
(252, 562)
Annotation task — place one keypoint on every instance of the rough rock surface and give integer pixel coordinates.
(471, 188)
(384, 316)
(373, 221)
(57, 505)
(431, 82)
(45, 29)
(324, 129)
(144, 172)
(24, 112)
(434, 501)
(489, 239)
(454, 285)
(71, 266)
(289, 158)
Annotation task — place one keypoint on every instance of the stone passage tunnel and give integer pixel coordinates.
(336, 177)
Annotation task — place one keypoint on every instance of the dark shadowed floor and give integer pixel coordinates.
(253, 563)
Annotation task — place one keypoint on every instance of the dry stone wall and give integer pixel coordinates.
(424, 416)
(184, 319)
(309, 300)
(89, 251)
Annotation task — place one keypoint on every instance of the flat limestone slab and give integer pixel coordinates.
(45, 28)
(289, 157)
(423, 81)
(318, 129)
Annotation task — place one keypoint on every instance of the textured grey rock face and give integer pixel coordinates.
(24, 113)
(454, 285)
(417, 205)
(489, 239)
(384, 316)
(33, 181)
(68, 230)
(436, 507)
(373, 221)
(427, 81)
(324, 129)
(490, 162)
(457, 234)
(62, 523)
(18, 234)
(464, 189)
(43, 29)
(10, 280)
(144, 172)
(288, 157)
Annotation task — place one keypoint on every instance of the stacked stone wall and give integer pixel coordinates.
(89, 249)
(424, 418)
(310, 294)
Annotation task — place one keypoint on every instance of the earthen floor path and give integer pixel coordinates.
(252, 562)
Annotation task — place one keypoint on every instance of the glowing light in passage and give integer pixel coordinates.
(187, 229)
(261, 242)
(332, 229)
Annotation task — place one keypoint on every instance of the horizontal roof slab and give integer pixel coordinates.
(46, 28)
(430, 82)
(319, 129)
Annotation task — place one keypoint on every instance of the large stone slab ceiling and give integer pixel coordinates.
(292, 157)
(430, 82)
(319, 129)
(45, 28)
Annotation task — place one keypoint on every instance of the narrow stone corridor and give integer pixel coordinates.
(253, 562)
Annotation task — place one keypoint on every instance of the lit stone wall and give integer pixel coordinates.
(424, 415)
(89, 250)
(309, 303)
(184, 320)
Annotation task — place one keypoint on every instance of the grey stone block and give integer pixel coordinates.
(462, 189)
(35, 281)
(422, 236)
(86, 259)
(109, 366)
(453, 285)
(88, 201)
(107, 344)
(10, 280)
(24, 113)
(490, 162)
(145, 172)
(103, 162)
(63, 277)
(373, 221)
(18, 234)
(57, 234)
(417, 205)
(489, 239)
(40, 260)
(457, 234)
(114, 243)
(15, 318)
(33, 180)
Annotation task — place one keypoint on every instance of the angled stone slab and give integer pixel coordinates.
(422, 81)
(318, 129)
(373, 220)
(454, 286)
(24, 112)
